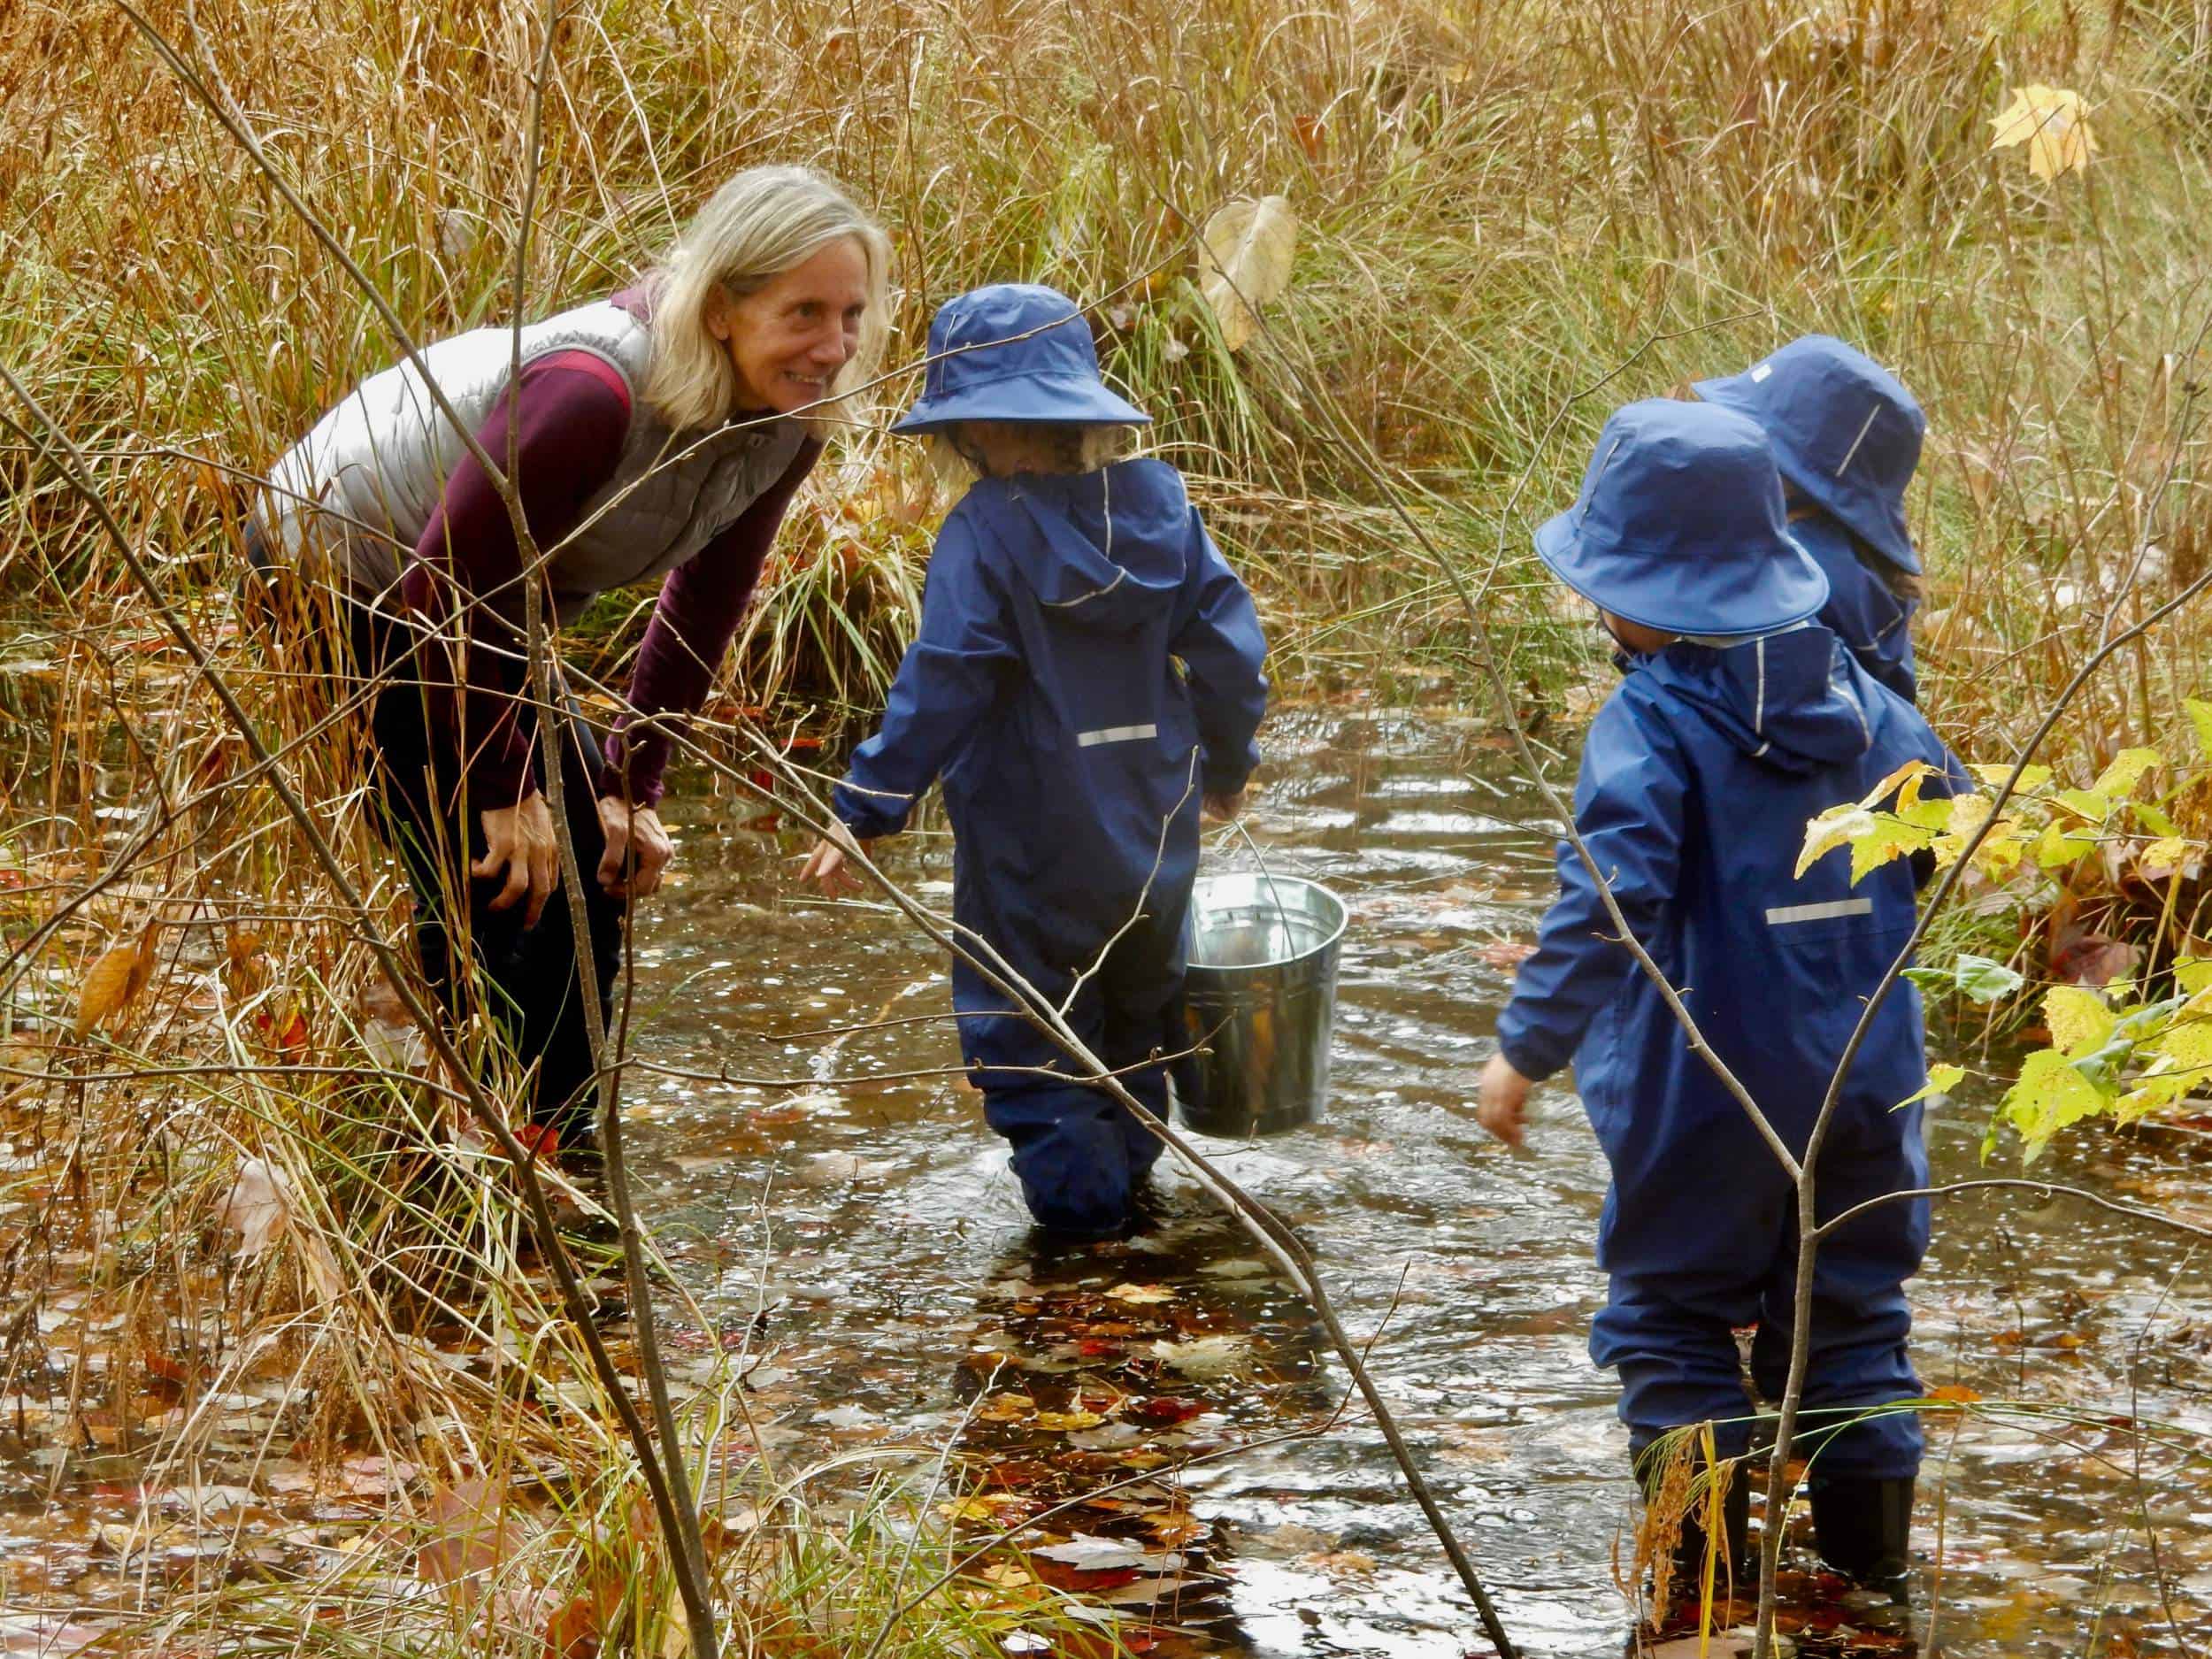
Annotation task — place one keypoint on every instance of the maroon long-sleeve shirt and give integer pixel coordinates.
(571, 413)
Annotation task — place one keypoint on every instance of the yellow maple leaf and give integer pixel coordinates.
(1063, 1421)
(2053, 123)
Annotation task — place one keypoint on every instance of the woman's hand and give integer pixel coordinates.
(826, 866)
(518, 843)
(638, 847)
(1504, 1099)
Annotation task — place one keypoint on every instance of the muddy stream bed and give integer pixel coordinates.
(872, 1243)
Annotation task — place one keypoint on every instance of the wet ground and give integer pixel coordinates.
(873, 1238)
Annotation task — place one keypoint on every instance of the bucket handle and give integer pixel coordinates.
(1282, 910)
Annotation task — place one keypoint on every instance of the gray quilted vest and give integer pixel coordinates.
(354, 495)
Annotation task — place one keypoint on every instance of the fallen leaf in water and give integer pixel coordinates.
(1957, 1393)
(978, 1507)
(1065, 1420)
(1161, 1409)
(474, 1529)
(1505, 953)
(1238, 1267)
(1109, 1437)
(1176, 1526)
(1203, 1357)
(1089, 1554)
(1005, 1409)
(1141, 1295)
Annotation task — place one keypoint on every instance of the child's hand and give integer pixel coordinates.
(1504, 1097)
(1223, 809)
(826, 867)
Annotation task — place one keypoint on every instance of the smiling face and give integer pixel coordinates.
(788, 338)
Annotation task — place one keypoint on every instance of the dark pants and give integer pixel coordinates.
(476, 959)
(1730, 1261)
(1080, 1154)
(527, 978)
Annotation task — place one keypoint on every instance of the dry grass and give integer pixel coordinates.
(1501, 204)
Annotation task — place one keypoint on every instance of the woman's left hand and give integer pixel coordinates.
(638, 847)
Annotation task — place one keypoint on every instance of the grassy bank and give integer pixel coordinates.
(1513, 216)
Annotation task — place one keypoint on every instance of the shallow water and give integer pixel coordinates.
(874, 1240)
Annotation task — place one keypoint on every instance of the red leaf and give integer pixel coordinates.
(1163, 1408)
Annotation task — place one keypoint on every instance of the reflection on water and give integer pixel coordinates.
(871, 1233)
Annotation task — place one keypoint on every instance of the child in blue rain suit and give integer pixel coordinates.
(1846, 434)
(1739, 718)
(1086, 672)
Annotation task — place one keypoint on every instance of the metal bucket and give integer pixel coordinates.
(1261, 995)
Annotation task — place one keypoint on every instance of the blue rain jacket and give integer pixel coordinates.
(1697, 779)
(1043, 688)
(1862, 610)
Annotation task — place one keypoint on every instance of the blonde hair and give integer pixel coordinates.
(761, 224)
(961, 451)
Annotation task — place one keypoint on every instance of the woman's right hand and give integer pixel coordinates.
(518, 841)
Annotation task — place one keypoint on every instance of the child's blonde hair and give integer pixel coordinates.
(963, 451)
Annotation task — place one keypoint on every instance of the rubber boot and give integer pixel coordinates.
(1864, 1529)
(1737, 1569)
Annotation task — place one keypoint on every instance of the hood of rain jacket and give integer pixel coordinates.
(1779, 699)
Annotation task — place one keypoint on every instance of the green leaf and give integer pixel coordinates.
(2032, 778)
(1890, 837)
(1941, 1080)
(2089, 803)
(2193, 974)
(2152, 820)
(2078, 1019)
(1836, 827)
(1978, 978)
(2126, 771)
(2059, 846)
(2187, 1043)
(2050, 1094)
(2200, 717)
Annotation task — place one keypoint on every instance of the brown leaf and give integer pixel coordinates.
(113, 982)
(474, 1530)
(575, 1631)
(243, 972)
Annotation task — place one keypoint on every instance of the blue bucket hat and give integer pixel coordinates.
(1680, 526)
(1844, 429)
(1014, 351)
